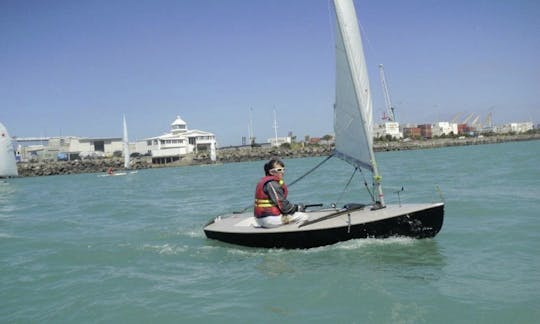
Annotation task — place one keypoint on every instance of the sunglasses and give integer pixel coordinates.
(278, 170)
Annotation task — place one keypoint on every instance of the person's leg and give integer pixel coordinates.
(298, 217)
(269, 221)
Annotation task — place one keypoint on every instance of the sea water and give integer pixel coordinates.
(131, 249)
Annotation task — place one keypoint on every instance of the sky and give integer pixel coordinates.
(73, 68)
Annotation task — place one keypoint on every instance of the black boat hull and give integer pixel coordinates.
(419, 224)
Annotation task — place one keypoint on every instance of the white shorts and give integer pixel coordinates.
(275, 221)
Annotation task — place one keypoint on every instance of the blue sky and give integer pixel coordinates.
(74, 67)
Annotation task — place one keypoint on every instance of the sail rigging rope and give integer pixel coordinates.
(313, 169)
(367, 186)
(346, 186)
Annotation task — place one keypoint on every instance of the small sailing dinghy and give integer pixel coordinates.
(127, 162)
(354, 144)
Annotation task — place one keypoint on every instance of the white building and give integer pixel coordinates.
(444, 128)
(88, 146)
(180, 141)
(50, 147)
(516, 127)
(277, 141)
(388, 128)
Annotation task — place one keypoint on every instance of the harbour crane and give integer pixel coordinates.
(389, 108)
(455, 118)
(466, 120)
(488, 122)
(475, 121)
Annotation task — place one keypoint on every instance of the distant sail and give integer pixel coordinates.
(8, 165)
(126, 145)
(213, 151)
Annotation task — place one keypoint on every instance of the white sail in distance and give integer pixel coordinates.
(353, 116)
(8, 165)
(126, 145)
(213, 151)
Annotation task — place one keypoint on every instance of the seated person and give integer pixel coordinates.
(272, 209)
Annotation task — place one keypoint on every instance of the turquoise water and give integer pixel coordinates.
(89, 249)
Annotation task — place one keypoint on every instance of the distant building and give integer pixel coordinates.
(412, 132)
(88, 146)
(426, 130)
(388, 128)
(516, 127)
(279, 140)
(180, 141)
(444, 128)
(464, 129)
(70, 147)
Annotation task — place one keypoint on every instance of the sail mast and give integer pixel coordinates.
(353, 119)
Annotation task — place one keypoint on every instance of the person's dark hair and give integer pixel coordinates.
(271, 164)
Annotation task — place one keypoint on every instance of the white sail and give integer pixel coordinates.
(213, 151)
(126, 145)
(8, 166)
(353, 117)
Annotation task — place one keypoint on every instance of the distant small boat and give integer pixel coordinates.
(127, 160)
(127, 157)
(8, 165)
(114, 174)
(353, 126)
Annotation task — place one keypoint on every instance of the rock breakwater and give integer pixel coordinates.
(45, 168)
(244, 154)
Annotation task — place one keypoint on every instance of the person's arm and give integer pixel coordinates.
(275, 192)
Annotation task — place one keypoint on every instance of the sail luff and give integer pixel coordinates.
(353, 109)
(126, 145)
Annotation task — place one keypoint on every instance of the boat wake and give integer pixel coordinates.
(360, 243)
(166, 249)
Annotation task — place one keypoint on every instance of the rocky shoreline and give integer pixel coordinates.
(242, 154)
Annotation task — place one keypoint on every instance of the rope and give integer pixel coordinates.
(346, 186)
(305, 174)
(367, 186)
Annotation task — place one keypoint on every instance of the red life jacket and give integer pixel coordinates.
(264, 206)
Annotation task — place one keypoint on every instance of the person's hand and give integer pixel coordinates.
(301, 207)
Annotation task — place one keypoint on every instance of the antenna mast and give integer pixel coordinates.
(275, 127)
(250, 127)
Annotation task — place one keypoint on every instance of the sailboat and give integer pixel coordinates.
(126, 144)
(127, 161)
(353, 126)
(8, 165)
